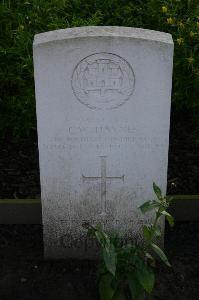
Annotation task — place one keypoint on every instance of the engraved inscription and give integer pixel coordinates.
(103, 81)
(103, 178)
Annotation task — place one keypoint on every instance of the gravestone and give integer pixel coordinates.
(103, 113)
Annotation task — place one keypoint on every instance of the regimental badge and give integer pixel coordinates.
(103, 81)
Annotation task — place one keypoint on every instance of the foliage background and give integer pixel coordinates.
(21, 20)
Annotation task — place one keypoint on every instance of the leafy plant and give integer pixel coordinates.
(127, 270)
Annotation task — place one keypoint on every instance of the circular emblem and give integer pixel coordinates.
(103, 81)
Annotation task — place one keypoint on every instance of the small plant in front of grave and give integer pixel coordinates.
(127, 270)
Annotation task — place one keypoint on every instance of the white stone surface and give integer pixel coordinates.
(103, 113)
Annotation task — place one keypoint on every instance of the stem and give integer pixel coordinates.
(153, 227)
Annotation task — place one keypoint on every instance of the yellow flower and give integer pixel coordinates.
(192, 34)
(21, 27)
(190, 60)
(170, 21)
(180, 24)
(180, 41)
(164, 9)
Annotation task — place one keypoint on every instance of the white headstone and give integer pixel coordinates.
(103, 113)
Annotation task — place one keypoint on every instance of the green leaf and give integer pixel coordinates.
(161, 254)
(115, 239)
(157, 191)
(119, 295)
(110, 259)
(135, 287)
(149, 257)
(101, 236)
(148, 206)
(145, 276)
(147, 232)
(169, 217)
(157, 231)
(169, 199)
(105, 287)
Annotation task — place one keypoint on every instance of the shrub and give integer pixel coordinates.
(21, 20)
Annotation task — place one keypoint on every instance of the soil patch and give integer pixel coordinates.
(25, 275)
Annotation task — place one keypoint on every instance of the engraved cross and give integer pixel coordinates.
(104, 178)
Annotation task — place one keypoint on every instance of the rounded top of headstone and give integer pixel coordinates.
(102, 31)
